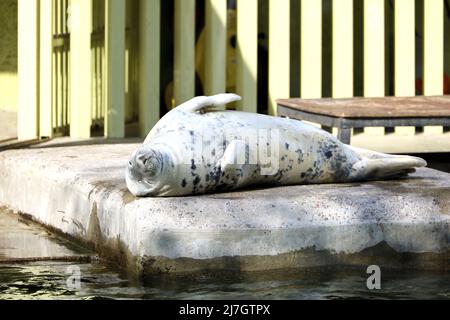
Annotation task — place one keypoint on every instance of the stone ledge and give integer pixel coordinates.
(80, 191)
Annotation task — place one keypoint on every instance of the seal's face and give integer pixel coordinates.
(144, 171)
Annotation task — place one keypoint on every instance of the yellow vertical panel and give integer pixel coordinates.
(54, 84)
(149, 59)
(115, 68)
(311, 49)
(184, 51)
(45, 74)
(342, 74)
(80, 65)
(27, 117)
(62, 80)
(247, 54)
(374, 53)
(215, 46)
(433, 52)
(404, 50)
(279, 47)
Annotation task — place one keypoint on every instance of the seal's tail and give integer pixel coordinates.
(375, 165)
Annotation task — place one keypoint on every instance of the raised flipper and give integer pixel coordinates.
(203, 103)
(375, 165)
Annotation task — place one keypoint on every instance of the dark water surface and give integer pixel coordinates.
(48, 280)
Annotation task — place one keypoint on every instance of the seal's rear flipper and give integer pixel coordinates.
(375, 165)
(203, 103)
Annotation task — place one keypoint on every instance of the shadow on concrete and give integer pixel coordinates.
(69, 142)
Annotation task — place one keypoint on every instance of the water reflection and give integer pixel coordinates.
(47, 280)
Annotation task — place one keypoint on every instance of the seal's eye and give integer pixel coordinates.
(129, 163)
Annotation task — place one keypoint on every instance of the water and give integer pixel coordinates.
(47, 278)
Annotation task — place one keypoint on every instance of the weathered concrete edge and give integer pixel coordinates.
(89, 212)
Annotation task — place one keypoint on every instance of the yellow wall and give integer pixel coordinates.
(8, 55)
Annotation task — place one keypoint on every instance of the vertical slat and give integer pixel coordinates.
(45, 74)
(247, 54)
(27, 118)
(404, 51)
(342, 74)
(184, 47)
(115, 68)
(149, 59)
(54, 85)
(374, 53)
(80, 89)
(433, 52)
(215, 46)
(65, 108)
(311, 49)
(279, 48)
(61, 84)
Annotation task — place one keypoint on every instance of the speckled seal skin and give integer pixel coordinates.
(196, 148)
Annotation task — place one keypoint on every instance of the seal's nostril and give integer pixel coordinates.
(129, 163)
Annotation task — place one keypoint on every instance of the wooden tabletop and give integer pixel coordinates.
(385, 107)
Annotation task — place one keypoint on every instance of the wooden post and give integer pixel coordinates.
(149, 59)
(247, 54)
(279, 74)
(433, 53)
(374, 53)
(404, 50)
(311, 49)
(184, 55)
(80, 66)
(342, 55)
(28, 70)
(46, 74)
(215, 46)
(115, 68)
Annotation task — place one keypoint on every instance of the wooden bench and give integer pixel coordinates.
(345, 114)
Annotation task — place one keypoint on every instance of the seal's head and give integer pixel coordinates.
(145, 171)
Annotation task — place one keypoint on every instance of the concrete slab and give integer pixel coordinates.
(80, 191)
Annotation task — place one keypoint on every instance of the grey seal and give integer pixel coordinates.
(197, 148)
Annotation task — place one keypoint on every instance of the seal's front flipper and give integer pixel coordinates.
(375, 165)
(203, 103)
(232, 162)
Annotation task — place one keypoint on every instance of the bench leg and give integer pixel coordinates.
(327, 129)
(344, 135)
